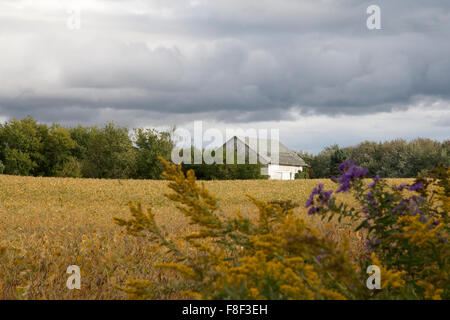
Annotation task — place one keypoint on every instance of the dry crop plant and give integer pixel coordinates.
(278, 256)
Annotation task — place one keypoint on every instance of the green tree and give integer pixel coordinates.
(71, 168)
(21, 144)
(337, 157)
(369, 155)
(18, 162)
(57, 149)
(81, 135)
(149, 145)
(424, 155)
(320, 164)
(108, 152)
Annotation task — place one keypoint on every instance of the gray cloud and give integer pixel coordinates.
(239, 61)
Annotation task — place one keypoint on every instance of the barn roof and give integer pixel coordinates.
(284, 154)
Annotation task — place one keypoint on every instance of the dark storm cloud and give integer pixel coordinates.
(231, 60)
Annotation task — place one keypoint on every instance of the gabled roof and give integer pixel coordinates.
(284, 155)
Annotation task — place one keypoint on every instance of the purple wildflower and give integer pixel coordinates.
(411, 206)
(323, 198)
(313, 210)
(327, 194)
(436, 223)
(375, 180)
(349, 172)
(416, 186)
(317, 190)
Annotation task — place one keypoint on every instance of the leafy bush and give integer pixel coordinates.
(2, 167)
(279, 256)
(407, 228)
(304, 174)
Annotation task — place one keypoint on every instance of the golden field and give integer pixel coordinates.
(48, 224)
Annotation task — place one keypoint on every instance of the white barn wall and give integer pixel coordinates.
(281, 172)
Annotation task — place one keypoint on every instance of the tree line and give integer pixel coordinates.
(31, 148)
(227, 170)
(112, 151)
(390, 159)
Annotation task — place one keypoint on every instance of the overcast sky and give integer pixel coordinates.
(311, 68)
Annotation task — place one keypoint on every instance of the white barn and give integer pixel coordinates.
(279, 164)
